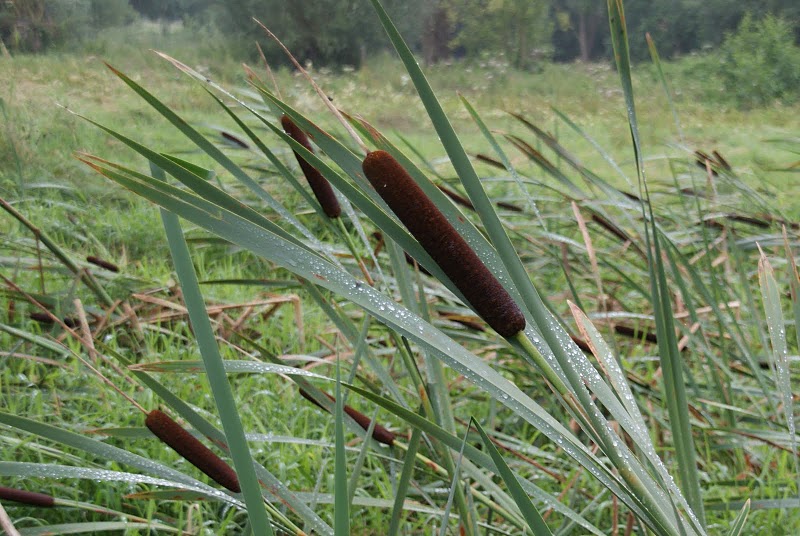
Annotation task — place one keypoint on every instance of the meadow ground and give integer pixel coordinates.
(86, 214)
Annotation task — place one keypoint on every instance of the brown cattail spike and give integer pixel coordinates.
(188, 446)
(321, 187)
(380, 433)
(110, 266)
(443, 243)
(26, 497)
(42, 318)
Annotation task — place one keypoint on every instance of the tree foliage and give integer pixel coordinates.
(677, 26)
(760, 62)
(35, 25)
(171, 9)
(321, 31)
(520, 29)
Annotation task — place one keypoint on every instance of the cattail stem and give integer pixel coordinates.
(26, 497)
(443, 243)
(319, 185)
(191, 449)
(379, 433)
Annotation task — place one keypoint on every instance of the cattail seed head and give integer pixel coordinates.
(26, 497)
(42, 318)
(443, 243)
(188, 446)
(97, 261)
(380, 433)
(319, 185)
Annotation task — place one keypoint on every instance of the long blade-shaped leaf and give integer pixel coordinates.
(532, 515)
(215, 370)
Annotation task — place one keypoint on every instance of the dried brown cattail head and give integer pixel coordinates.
(380, 433)
(321, 187)
(188, 446)
(26, 497)
(110, 266)
(443, 243)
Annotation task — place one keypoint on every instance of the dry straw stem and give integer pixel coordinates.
(6, 524)
(26, 497)
(443, 243)
(86, 344)
(321, 187)
(380, 433)
(188, 446)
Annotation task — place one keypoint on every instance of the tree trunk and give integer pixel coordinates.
(436, 38)
(587, 31)
(583, 38)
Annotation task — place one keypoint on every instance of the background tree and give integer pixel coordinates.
(437, 33)
(36, 25)
(171, 9)
(581, 23)
(518, 28)
(322, 31)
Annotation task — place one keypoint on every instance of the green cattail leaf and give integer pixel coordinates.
(670, 358)
(341, 510)
(215, 371)
(50, 470)
(409, 462)
(532, 515)
(738, 524)
(194, 182)
(529, 200)
(771, 296)
(473, 455)
(232, 366)
(213, 151)
(81, 442)
(95, 527)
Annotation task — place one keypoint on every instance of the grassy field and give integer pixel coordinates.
(86, 214)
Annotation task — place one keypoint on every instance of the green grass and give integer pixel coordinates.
(87, 214)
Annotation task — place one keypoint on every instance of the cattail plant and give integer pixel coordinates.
(321, 187)
(443, 243)
(191, 449)
(26, 497)
(380, 433)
